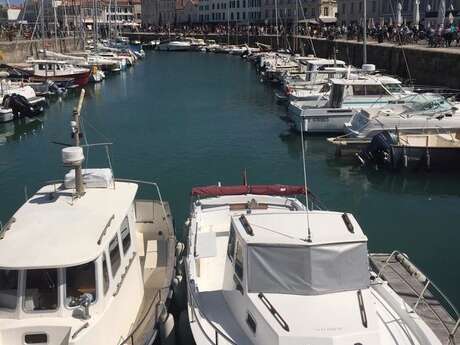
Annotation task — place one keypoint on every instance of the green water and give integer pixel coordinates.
(186, 119)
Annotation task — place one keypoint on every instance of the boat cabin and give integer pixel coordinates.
(271, 253)
(71, 269)
(375, 89)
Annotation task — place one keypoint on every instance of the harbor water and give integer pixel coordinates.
(187, 119)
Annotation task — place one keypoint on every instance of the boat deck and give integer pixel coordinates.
(158, 273)
(432, 308)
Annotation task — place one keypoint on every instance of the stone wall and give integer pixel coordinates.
(422, 65)
(18, 51)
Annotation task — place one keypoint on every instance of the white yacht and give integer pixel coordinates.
(427, 113)
(263, 270)
(329, 112)
(175, 45)
(85, 261)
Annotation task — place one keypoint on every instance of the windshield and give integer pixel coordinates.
(41, 290)
(307, 270)
(8, 289)
(80, 280)
(394, 88)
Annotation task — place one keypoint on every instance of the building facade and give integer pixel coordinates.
(289, 11)
(232, 11)
(158, 12)
(352, 11)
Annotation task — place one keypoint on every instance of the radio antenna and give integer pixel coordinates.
(308, 239)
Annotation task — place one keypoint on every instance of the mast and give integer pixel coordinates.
(42, 22)
(55, 26)
(365, 32)
(80, 188)
(110, 20)
(228, 24)
(276, 23)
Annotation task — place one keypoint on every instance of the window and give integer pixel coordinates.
(41, 290)
(80, 280)
(231, 244)
(239, 261)
(8, 289)
(326, 11)
(115, 259)
(251, 322)
(105, 275)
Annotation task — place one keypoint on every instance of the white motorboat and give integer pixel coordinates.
(84, 261)
(262, 270)
(329, 113)
(174, 45)
(427, 113)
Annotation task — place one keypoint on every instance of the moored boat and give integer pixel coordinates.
(264, 269)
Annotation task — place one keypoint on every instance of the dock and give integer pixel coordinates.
(419, 293)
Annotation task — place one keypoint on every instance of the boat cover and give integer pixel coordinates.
(275, 189)
(307, 270)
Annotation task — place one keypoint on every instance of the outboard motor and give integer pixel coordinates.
(379, 150)
(21, 106)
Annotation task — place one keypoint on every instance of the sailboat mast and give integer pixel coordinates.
(42, 22)
(365, 32)
(55, 26)
(228, 24)
(276, 24)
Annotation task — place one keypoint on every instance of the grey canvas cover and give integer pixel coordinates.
(307, 270)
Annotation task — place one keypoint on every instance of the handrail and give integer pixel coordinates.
(274, 312)
(130, 337)
(423, 278)
(155, 185)
(194, 304)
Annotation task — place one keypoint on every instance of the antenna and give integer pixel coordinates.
(308, 239)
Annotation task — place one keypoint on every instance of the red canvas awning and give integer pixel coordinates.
(275, 189)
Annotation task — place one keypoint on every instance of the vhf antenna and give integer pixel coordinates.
(308, 239)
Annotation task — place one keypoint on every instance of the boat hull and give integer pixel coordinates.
(425, 157)
(79, 79)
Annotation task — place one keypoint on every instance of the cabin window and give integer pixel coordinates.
(80, 280)
(41, 292)
(231, 244)
(125, 235)
(369, 90)
(239, 261)
(394, 88)
(8, 289)
(41, 67)
(251, 322)
(115, 258)
(105, 274)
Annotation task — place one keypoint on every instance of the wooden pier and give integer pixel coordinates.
(419, 293)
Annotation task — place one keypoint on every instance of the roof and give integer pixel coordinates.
(368, 80)
(290, 228)
(55, 230)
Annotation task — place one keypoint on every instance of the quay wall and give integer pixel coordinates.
(18, 51)
(422, 65)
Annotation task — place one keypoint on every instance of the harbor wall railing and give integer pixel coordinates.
(20, 50)
(438, 67)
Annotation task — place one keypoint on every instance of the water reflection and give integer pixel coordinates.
(19, 129)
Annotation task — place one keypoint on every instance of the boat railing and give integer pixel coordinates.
(130, 339)
(428, 286)
(158, 192)
(194, 304)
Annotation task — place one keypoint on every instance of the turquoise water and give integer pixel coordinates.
(186, 119)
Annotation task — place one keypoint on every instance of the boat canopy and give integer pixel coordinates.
(307, 270)
(275, 190)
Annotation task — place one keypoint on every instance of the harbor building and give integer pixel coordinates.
(234, 11)
(158, 12)
(187, 11)
(352, 11)
(289, 11)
